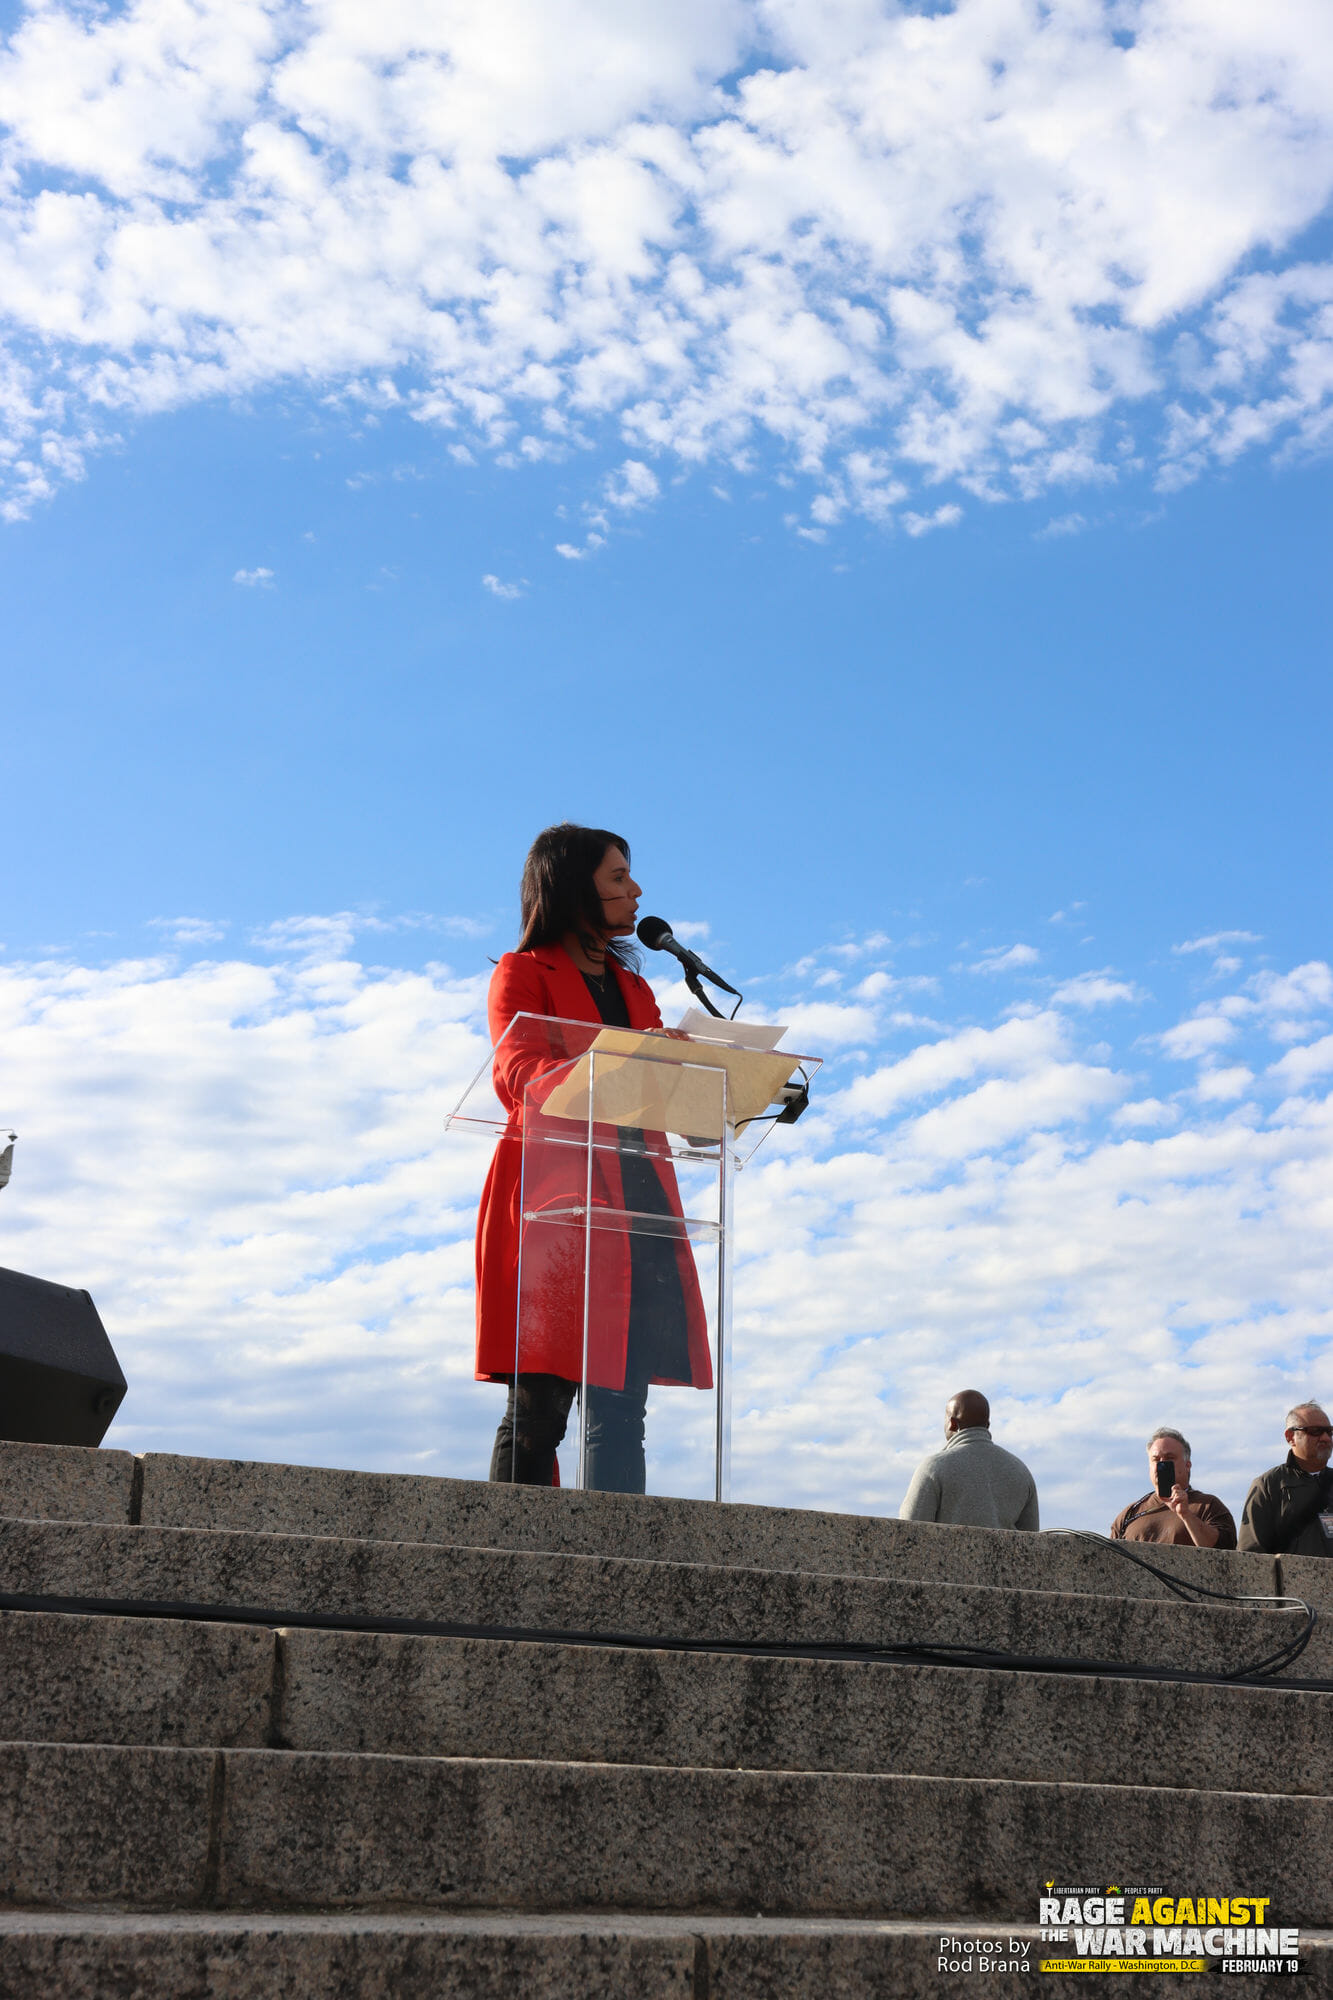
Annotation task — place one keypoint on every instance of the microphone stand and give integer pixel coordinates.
(692, 981)
(795, 1098)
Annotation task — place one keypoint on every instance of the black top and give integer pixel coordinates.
(658, 1344)
(607, 998)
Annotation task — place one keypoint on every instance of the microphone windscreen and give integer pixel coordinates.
(653, 931)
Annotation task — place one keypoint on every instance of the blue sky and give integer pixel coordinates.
(876, 457)
(972, 726)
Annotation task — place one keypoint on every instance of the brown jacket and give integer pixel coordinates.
(1151, 1520)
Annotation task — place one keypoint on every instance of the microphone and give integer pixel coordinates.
(655, 932)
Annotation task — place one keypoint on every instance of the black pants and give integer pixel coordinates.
(534, 1423)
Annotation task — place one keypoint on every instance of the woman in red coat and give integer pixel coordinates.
(578, 901)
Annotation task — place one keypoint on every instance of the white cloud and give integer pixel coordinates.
(1006, 959)
(331, 936)
(189, 930)
(1220, 1086)
(874, 941)
(254, 579)
(244, 1166)
(1145, 1111)
(1007, 249)
(319, 936)
(499, 589)
(815, 1023)
(1006, 1108)
(1019, 1047)
(1300, 1067)
(1215, 942)
(1095, 989)
(634, 485)
(947, 516)
(1062, 524)
(1199, 1036)
(1303, 990)
(1292, 1031)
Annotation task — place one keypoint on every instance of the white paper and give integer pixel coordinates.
(747, 1034)
(664, 1085)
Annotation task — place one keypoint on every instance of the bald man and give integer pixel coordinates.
(972, 1483)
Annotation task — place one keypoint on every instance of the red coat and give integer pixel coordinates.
(548, 982)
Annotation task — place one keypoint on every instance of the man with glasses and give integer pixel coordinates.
(1289, 1509)
(1174, 1511)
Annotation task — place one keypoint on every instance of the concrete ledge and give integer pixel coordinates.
(1310, 1577)
(411, 1956)
(290, 1830)
(133, 1680)
(360, 1961)
(58, 1482)
(381, 1506)
(65, 1482)
(473, 1698)
(300, 1829)
(587, 1593)
(89, 1825)
(126, 1681)
(770, 1964)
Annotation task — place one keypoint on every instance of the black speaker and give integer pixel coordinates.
(60, 1382)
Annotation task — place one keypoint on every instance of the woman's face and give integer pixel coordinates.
(619, 893)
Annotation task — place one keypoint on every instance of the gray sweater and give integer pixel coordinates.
(972, 1483)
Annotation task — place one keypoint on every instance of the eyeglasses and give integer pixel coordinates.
(1313, 1430)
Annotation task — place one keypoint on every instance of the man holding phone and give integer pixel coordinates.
(1174, 1511)
(1289, 1509)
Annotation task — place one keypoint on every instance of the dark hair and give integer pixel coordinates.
(557, 893)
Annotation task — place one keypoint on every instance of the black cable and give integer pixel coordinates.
(1180, 1584)
(1187, 1588)
(759, 1118)
(890, 1653)
(772, 1117)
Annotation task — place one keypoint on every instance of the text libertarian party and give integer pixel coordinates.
(1178, 1926)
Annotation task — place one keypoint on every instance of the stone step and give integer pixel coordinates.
(69, 1679)
(268, 1830)
(565, 1593)
(67, 1483)
(496, 1955)
(161, 1681)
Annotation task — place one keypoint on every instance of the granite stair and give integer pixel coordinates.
(600, 1765)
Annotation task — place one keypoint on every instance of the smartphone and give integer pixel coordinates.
(1166, 1477)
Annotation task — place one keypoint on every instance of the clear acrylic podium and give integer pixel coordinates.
(629, 1142)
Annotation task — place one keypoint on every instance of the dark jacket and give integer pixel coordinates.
(1270, 1505)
